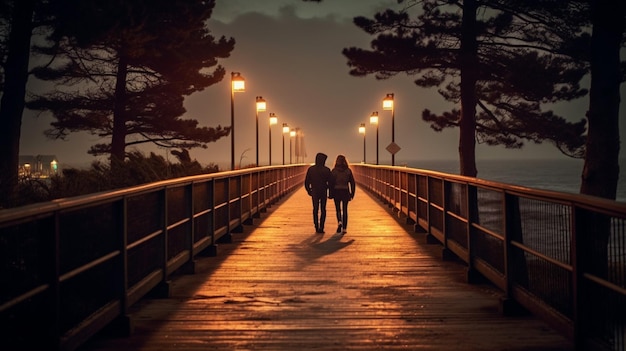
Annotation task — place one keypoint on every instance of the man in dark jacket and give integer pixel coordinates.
(317, 182)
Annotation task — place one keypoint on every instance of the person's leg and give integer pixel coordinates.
(322, 205)
(316, 207)
(345, 215)
(338, 213)
(337, 209)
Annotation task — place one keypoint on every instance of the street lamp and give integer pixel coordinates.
(292, 134)
(285, 131)
(388, 105)
(237, 84)
(374, 120)
(362, 131)
(273, 120)
(261, 106)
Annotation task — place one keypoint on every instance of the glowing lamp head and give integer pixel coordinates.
(388, 102)
(238, 83)
(285, 128)
(261, 105)
(374, 118)
(362, 128)
(292, 133)
(273, 118)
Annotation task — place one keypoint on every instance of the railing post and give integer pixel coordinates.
(122, 325)
(212, 249)
(515, 270)
(473, 275)
(162, 290)
(253, 193)
(577, 255)
(446, 253)
(239, 227)
(429, 234)
(590, 256)
(190, 266)
(228, 238)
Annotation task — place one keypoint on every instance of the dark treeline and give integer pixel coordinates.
(120, 71)
(501, 63)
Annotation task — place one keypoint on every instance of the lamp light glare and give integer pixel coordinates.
(374, 118)
(239, 84)
(388, 102)
(362, 128)
(261, 104)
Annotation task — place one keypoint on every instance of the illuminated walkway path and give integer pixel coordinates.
(280, 286)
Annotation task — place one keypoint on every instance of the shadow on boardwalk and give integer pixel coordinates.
(281, 286)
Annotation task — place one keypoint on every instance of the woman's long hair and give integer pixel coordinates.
(341, 162)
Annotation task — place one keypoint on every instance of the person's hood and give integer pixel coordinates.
(320, 159)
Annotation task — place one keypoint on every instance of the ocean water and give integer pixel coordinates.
(561, 175)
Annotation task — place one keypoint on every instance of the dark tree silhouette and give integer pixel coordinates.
(601, 169)
(93, 24)
(500, 63)
(124, 68)
(17, 24)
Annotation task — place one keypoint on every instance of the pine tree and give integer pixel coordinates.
(17, 23)
(500, 63)
(125, 68)
(601, 170)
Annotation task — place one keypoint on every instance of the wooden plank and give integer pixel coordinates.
(281, 286)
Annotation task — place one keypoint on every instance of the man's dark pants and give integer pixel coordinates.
(319, 209)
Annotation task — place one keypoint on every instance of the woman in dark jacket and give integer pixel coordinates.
(342, 191)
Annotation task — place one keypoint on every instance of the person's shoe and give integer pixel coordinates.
(319, 231)
(339, 228)
(345, 230)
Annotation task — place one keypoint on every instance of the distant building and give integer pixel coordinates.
(38, 166)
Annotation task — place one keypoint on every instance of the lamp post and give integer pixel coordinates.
(374, 120)
(237, 84)
(292, 134)
(285, 131)
(273, 120)
(389, 105)
(261, 105)
(362, 131)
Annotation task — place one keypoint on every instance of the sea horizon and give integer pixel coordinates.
(562, 175)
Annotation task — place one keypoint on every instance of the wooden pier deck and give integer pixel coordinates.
(281, 286)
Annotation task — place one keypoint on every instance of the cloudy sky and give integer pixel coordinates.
(289, 52)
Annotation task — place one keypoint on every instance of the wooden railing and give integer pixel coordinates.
(72, 266)
(560, 256)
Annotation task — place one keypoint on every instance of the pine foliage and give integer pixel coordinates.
(528, 57)
(130, 64)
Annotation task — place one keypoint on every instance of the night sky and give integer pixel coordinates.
(289, 52)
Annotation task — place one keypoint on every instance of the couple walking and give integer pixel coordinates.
(322, 183)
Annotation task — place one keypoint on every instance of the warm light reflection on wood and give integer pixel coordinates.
(281, 286)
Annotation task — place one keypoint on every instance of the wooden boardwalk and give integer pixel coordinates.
(281, 286)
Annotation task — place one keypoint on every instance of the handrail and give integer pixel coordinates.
(72, 266)
(561, 256)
